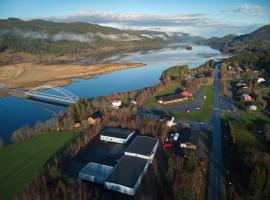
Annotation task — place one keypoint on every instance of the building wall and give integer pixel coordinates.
(117, 140)
(172, 101)
(119, 188)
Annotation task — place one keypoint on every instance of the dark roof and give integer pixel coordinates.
(116, 132)
(171, 97)
(127, 171)
(190, 137)
(143, 145)
(96, 115)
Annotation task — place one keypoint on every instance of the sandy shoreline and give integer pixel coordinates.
(28, 75)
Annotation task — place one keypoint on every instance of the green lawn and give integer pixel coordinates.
(206, 108)
(244, 132)
(201, 115)
(170, 89)
(21, 162)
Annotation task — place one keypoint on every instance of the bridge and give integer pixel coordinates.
(65, 97)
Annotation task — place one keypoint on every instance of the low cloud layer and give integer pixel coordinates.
(83, 38)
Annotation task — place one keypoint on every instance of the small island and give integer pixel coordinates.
(189, 48)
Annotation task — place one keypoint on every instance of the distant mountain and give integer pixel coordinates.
(44, 36)
(259, 39)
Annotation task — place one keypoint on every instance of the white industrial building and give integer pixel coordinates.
(128, 173)
(117, 135)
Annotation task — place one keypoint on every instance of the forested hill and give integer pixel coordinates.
(257, 40)
(39, 36)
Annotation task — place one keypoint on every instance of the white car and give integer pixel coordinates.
(176, 136)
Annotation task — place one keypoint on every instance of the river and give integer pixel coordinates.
(15, 112)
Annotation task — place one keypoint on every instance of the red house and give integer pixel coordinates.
(186, 94)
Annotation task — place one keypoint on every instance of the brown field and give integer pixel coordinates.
(26, 75)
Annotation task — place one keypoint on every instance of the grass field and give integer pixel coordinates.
(201, 115)
(21, 162)
(244, 131)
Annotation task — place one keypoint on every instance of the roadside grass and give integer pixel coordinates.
(22, 162)
(244, 129)
(170, 89)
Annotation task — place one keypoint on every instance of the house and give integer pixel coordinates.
(260, 80)
(94, 118)
(171, 99)
(246, 98)
(250, 106)
(175, 97)
(171, 123)
(116, 103)
(240, 84)
(76, 125)
(189, 140)
(186, 94)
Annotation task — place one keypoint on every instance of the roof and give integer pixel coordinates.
(127, 171)
(190, 137)
(96, 115)
(117, 132)
(171, 97)
(143, 145)
(186, 94)
(96, 170)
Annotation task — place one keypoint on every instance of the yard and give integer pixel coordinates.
(22, 162)
(199, 115)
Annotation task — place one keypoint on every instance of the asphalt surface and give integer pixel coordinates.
(191, 106)
(216, 184)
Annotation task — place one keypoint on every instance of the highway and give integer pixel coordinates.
(215, 188)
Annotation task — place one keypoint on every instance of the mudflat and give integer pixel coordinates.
(25, 75)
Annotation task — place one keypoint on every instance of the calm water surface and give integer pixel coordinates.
(15, 112)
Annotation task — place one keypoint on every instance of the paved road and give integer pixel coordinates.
(216, 182)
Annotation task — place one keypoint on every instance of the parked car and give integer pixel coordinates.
(176, 136)
(167, 145)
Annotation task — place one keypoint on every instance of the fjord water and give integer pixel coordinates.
(15, 112)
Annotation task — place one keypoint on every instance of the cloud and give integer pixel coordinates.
(131, 19)
(247, 9)
(63, 36)
(194, 23)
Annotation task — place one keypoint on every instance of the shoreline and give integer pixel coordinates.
(30, 75)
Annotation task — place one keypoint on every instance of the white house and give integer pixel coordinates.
(260, 80)
(116, 103)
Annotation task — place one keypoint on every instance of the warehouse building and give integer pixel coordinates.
(142, 147)
(127, 175)
(117, 135)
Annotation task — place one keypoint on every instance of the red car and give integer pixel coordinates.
(167, 145)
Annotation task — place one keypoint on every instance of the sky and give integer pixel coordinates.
(206, 18)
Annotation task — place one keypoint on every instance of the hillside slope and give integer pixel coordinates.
(77, 39)
(254, 41)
